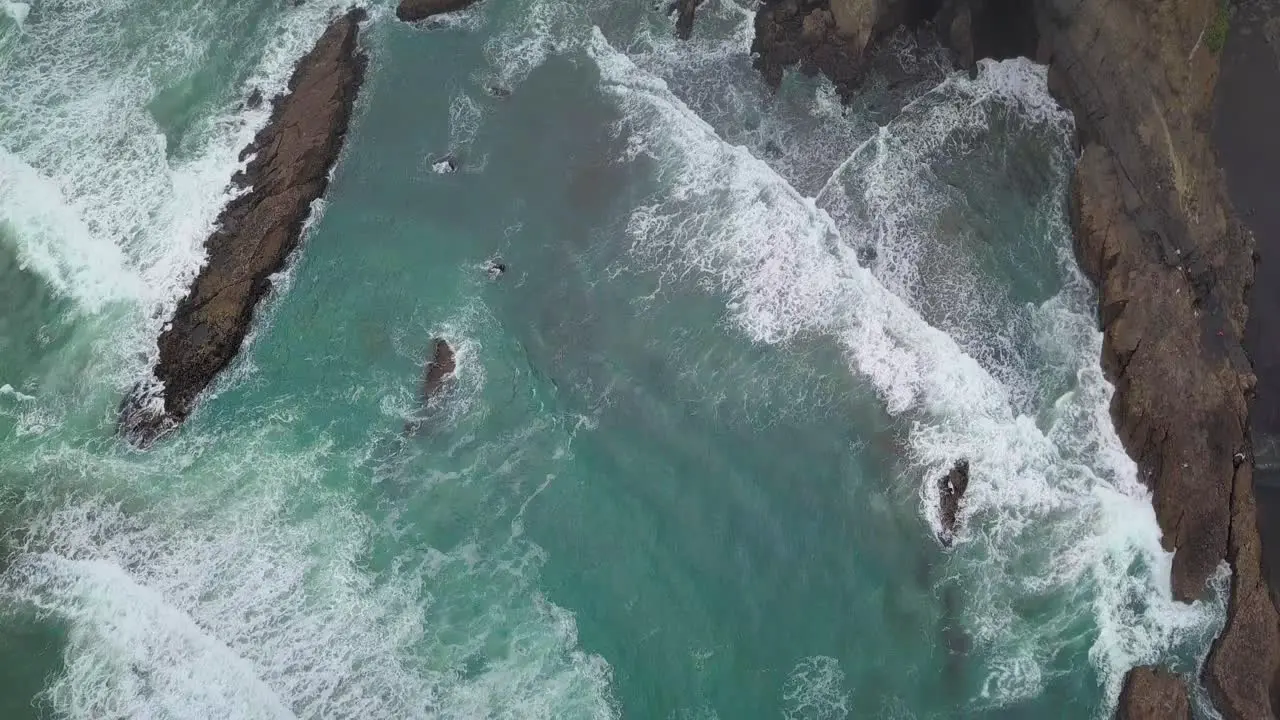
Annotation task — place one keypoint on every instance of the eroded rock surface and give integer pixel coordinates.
(256, 232)
(1153, 694)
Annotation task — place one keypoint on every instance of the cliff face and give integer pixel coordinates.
(1155, 231)
(257, 231)
(1173, 267)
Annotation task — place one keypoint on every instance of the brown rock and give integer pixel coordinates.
(438, 369)
(255, 232)
(1153, 694)
(951, 489)
(1173, 266)
(415, 10)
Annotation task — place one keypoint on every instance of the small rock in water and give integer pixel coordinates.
(255, 99)
(444, 165)
(496, 268)
(499, 92)
(951, 489)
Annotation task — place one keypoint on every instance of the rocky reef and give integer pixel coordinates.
(1155, 231)
(289, 169)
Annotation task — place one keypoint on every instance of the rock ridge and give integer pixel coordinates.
(291, 158)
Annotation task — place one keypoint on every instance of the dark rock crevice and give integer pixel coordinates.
(256, 232)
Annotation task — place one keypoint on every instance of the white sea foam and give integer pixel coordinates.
(815, 690)
(17, 12)
(1049, 511)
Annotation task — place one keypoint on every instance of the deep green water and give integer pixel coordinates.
(687, 467)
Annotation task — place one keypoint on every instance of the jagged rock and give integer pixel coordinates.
(951, 489)
(415, 10)
(254, 100)
(841, 38)
(1153, 694)
(444, 165)
(255, 233)
(438, 369)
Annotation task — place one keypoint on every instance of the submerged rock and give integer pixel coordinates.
(254, 101)
(438, 369)
(496, 268)
(255, 233)
(951, 489)
(415, 10)
(444, 165)
(1151, 693)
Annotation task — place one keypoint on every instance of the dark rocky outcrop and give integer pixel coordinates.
(289, 169)
(438, 369)
(1156, 233)
(415, 10)
(840, 38)
(951, 489)
(684, 10)
(1153, 694)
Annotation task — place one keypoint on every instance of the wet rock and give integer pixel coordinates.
(1151, 693)
(842, 38)
(951, 489)
(254, 100)
(499, 92)
(415, 10)
(439, 369)
(444, 165)
(684, 11)
(255, 233)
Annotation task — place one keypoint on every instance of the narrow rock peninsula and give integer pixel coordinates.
(291, 159)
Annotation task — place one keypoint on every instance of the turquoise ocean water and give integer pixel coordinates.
(687, 469)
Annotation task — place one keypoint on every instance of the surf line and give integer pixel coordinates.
(291, 158)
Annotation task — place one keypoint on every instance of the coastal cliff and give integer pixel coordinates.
(291, 159)
(1173, 265)
(1156, 233)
